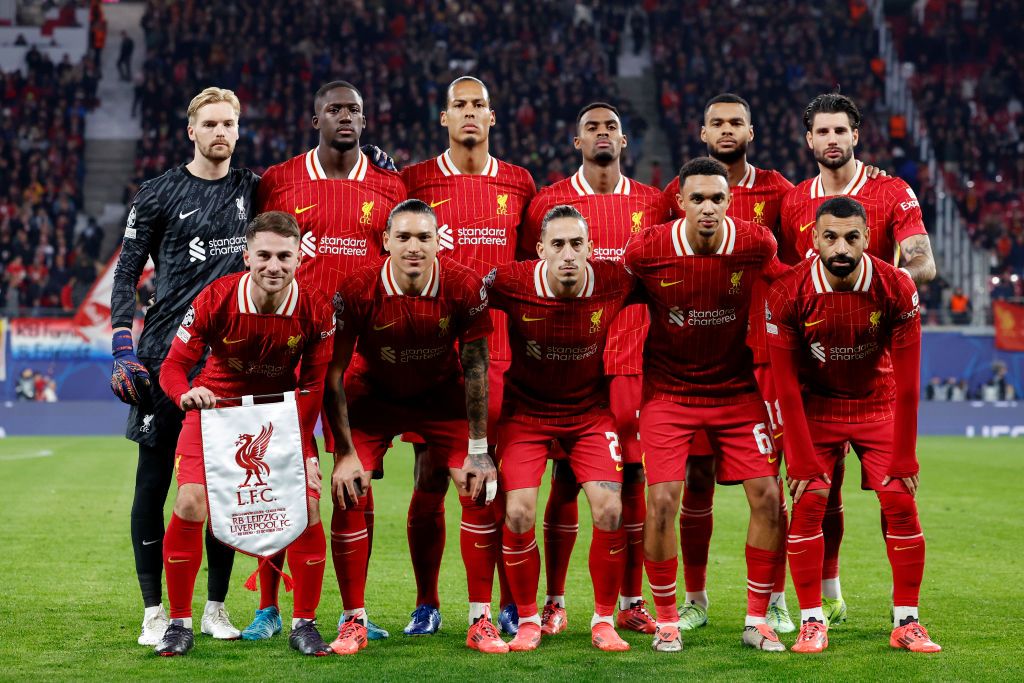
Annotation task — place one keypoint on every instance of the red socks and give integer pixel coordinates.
(561, 525)
(478, 537)
(426, 533)
(634, 511)
(695, 526)
(350, 548)
(760, 579)
(832, 525)
(183, 554)
(522, 567)
(805, 549)
(780, 570)
(307, 556)
(608, 551)
(661, 575)
(904, 543)
(368, 513)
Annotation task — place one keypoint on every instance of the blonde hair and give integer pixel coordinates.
(212, 95)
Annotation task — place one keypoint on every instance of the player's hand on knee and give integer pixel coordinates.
(912, 483)
(129, 378)
(349, 481)
(198, 398)
(313, 477)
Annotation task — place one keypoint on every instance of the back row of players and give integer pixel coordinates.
(191, 221)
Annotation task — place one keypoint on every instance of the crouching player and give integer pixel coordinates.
(259, 326)
(846, 325)
(560, 309)
(418, 328)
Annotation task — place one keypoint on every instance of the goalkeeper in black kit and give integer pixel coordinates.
(191, 220)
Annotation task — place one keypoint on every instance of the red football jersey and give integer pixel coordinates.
(251, 352)
(696, 351)
(756, 199)
(613, 219)
(557, 372)
(845, 337)
(341, 221)
(406, 345)
(894, 214)
(478, 217)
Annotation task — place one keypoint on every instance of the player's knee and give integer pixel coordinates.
(764, 499)
(661, 505)
(900, 512)
(520, 515)
(313, 511)
(191, 503)
(607, 513)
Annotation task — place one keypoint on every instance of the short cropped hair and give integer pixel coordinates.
(412, 206)
(278, 222)
(596, 105)
(470, 79)
(727, 98)
(842, 207)
(328, 87)
(832, 103)
(212, 95)
(563, 211)
(702, 166)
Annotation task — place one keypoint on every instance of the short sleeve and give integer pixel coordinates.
(475, 323)
(906, 330)
(780, 317)
(905, 212)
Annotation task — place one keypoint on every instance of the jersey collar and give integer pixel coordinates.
(448, 167)
(821, 285)
(540, 282)
(391, 288)
(316, 170)
(246, 304)
(749, 178)
(582, 187)
(859, 180)
(682, 245)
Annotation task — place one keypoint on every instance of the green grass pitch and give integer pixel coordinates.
(70, 608)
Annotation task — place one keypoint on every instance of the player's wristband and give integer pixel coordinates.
(477, 446)
(121, 344)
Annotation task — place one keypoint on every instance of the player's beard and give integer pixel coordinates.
(730, 157)
(603, 157)
(841, 266)
(217, 153)
(833, 164)
(344, 145)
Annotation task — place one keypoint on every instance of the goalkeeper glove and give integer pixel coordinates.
(379, 157)
(129, 379)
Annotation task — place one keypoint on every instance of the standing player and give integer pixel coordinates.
(259, 326)
(897, 236)
(833, 323)
(757, 194)
(616, 208)
(341, 202)
(418, 326)
(191, 221)
(479, 202)
(698, 273)
(560, 310)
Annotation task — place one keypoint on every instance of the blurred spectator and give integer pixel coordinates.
(958, 390)
(998, 388)
(936, 390)
(25, 390)
(124, 58)
(50, 391)
(960, 307)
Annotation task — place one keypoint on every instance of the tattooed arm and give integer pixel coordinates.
(478, 469)
(917, 259)
(348, 479)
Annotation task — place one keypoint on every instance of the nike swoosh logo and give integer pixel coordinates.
(531, 320)
(670, 284)
(799, 553)
(347, 552)
(513, 564)
(771, 460)
(231, 341)
(182, 216)
(635, 542)
(150, 542)
(486, 545)
(805, 226)
(174, 561)
(909, 547)
(777, 436)
(816, 322)
(378, 328)
(434, 205)
(315, 562)
(303, 209)
(616, 552)
(618, 468)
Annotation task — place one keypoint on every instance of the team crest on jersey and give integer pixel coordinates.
(240, 203)
(595, 321)
(502, 209)
(735, 280)
(442, 326)
(367, 213)
(637, 217)
(293, 343)
(873, 320)
(759, 212)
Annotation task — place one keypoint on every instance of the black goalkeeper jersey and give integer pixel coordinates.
(195, 231)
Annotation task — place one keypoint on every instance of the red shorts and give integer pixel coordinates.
(592, 446)
(495, 388)
(625, 394)
(871, 440)
(440, 420)
(739, 435)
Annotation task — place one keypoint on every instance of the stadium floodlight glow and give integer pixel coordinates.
(1014, 277)
(995, 280)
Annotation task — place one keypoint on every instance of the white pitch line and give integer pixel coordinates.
(26, 456)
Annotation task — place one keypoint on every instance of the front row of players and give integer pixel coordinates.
(410, 355)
